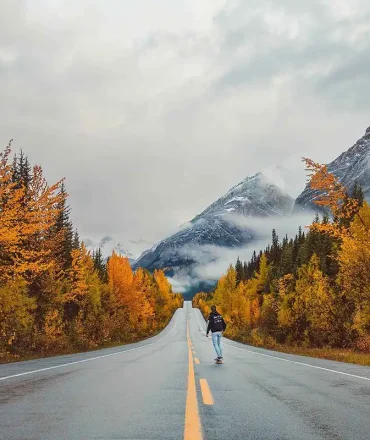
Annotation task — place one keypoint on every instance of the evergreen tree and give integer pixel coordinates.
(287, 264)
(239, 270)
(99, 265)
(246, 271)
(75, 240)
(358, 194)
(63, 232)
(22, 172)
(275, 248)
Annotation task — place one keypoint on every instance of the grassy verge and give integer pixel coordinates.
(7, 358)
(333, 354)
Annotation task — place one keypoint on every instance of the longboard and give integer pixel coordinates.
(218, 362)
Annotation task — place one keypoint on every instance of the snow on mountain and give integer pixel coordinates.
(218, 226)
(255, 196)
(130, 249)
(351, 166)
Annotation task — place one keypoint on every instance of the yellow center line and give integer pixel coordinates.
(206, 392)
(196, 360)
(193, 429)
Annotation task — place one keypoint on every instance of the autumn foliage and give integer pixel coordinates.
(54, 295)
(310, 291)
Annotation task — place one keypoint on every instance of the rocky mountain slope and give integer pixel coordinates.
(219, 226)
(351, 166)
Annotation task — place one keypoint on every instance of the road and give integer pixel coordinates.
(168, 387)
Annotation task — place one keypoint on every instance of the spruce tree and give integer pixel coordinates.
(22, 175)
(75, 240)
(287, 265)
(239, 270)
(99, 265)
(64, 228)
(358, 194)
(246, 271)
(275, 250)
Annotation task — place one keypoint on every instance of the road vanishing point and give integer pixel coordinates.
(169, 387)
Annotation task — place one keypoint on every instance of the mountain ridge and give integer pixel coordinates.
(218, 226)
(352, 166)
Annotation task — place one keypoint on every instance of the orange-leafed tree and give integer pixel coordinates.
(26, 216)
(354, 273)
(164, 296)
(121, 297)
(332, 195)
(226, 293)
(120, 280)
(143, 310)
(84, 283)
(10, 217)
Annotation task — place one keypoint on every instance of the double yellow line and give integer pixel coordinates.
(193, 429)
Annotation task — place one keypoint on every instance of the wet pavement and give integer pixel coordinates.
(139, 391)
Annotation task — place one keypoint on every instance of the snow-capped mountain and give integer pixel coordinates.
(255, 196)
(218, 226)
(351, 166)
(108, 244)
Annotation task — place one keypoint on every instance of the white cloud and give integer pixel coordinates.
(213, 261)
(152, 110)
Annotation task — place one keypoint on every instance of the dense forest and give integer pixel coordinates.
(54, 295)
(312, 290)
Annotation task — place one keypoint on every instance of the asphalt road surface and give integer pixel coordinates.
(168, 387)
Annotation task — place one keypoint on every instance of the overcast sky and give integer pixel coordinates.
(152, 109)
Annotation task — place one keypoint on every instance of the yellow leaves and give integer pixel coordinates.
(135, 293)
(225, 294)
(286, 284)
(53, 334)
(332, 192)
(332, 195)
(263, 273)
(81, 272)
(361, 320)
(26, 215)
(360, 227)
(120, 278)
(163, 283)
(15, 310)
(285, 316)
(314, 304)
(354, 260)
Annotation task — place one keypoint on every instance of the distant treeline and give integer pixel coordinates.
(54, 295)
(312, 290)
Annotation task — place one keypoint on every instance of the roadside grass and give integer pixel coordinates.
(333, 354)
(7, 358)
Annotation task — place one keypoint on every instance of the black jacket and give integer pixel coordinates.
(216, 323)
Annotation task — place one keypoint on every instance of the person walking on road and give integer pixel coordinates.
(216, 325)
